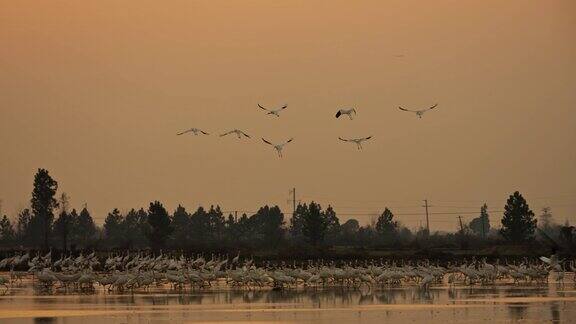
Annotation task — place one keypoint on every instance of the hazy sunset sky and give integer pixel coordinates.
(95, 92)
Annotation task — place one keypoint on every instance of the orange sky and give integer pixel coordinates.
(95, 91)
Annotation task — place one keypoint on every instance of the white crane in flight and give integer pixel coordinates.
(194, 131)
(275, 112)
(278, 147)
(238, 133)
(346, 112)
(358, 141)
(418, 113)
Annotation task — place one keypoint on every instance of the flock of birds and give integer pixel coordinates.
(350, 112)
(121, 272)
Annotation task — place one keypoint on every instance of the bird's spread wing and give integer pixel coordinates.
(290, 140)
(404, 109)
(545, 260)
(338, 114)
(367, 138)
(245, 134)
(183, 132)
(343, 139)
(265, 141)
(433, 107)
(227, 133)
(203, 132)
(283, 107)
(262, 107)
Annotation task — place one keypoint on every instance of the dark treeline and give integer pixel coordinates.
(49, 222)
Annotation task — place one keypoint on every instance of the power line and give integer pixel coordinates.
(421, 214)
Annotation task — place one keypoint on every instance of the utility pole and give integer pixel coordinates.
(293, 200)
(427, 219)
(461, 233)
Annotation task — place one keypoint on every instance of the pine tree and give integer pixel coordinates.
(267, 223)
(43, 205)
(64, 224)
(481, 224)
(518, 222)
(315, 224)
(84, 228)
(386, 227)
(23, 232)
(113, 228)
(546, 221)
(180, 227)
(7, 233)
(63, 228)
(159, 225)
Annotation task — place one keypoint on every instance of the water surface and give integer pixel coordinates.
(503, 303)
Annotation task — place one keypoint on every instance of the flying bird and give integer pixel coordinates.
(358, 141)
(238, 133)
(278, 147)
(194, 131)
(419, 113)
(553, 262)
(346, 112)
(275, 112)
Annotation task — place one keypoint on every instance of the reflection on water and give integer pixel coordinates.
(435, 305)
(44, 320)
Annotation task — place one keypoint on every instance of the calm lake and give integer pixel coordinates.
(532, 304)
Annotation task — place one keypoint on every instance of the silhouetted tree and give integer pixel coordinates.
(215, 224)
(350, 227)
(518, 223)
(113, 228)
(232, 230)
(268, 224)
(297, 221)
(404, 235)
(180, 227)
(386, 226)
(84, 229)
(366, 235)
(567, 234)
(23, 231)
(43, 204)
(546, 221)
(159, 228)
(481, 224)
(7, 233)
(63, 226)
(315, 224)
(135, 226)
(333, 224)
(199, 227)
